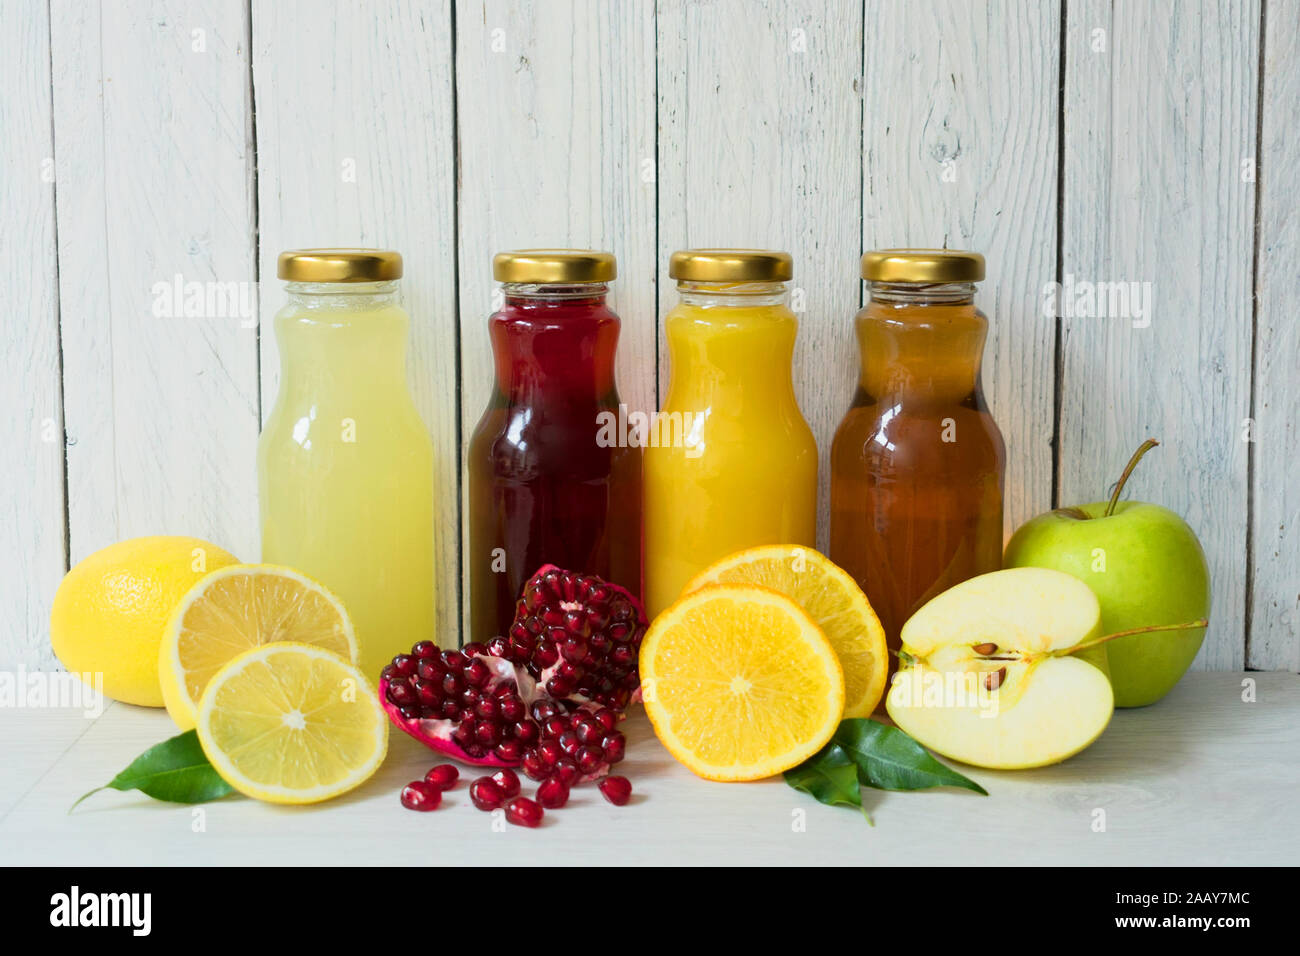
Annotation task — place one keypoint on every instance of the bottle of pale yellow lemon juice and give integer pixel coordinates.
(345, 464)
(731, 462)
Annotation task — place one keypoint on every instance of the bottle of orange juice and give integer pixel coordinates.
(345, 463)
(730, 462)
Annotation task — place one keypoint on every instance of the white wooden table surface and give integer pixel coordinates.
(1202, 777)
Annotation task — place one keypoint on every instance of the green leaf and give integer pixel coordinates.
(830, 776)
(176, 770)
(888, 759)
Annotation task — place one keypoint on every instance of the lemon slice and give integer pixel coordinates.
(831, 597)
(740, 683)
(292, 723)
(238, 607)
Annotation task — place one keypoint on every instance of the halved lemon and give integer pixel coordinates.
(292, 723)
(238, 607)
(740, 683)
(831, 597)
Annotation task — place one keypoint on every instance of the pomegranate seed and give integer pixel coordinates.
(473, 649)
(477, 673)
(569, 742)
(588, 759)
(508, 781)
(527, 732)
(553, 793)
(405, 664)
(512, 708)
(533, 767)
(487, 733)
(453, 660)
(431, 670)
(523, 812)
(550, 753)
(544, 710)
(499, 647)
(421, 795)
(424, 650)
(607, 718)
(511, 751)
(443, 776)
(485, 794)
(567, 770)
(588, 729)
(617, 790)
(389, 673)
(487, 707)
(613, 747)
(554, 727)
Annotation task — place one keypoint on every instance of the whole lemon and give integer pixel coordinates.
(111, 609)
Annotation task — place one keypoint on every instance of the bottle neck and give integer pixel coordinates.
(735, 340)
(342, 334)
(921, 342)
(554, 342)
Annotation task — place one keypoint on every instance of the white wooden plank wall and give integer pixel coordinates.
(1135, 141)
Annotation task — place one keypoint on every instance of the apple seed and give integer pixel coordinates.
(993, 679)
(986, 649)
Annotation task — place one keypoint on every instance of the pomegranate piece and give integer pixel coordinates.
(421, 795)
(578, 636)
(508, 781)
(443, 776)
(617, 790)
(553, 793)
(485, 794)
(523, 812)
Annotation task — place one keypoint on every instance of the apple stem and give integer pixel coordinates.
(1145, 447)
(1186, 625)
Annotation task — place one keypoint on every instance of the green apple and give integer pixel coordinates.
(999, 672)
(1147, 569)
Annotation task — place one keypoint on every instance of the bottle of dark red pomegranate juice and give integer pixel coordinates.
(546, 485)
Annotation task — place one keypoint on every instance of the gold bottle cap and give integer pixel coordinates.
(731, 265)
(922, 266)
(339, 265)
(546, 266)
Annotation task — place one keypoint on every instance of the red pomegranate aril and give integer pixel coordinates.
(405, 664)
(487, 733)
(452, 684)
(443, 776)
(533, 767)
(588, 759)
(450, 710)
(431, 670)
(555, 727)
(477, 673)
(510, 751)
(523, 812)
(512, 708)
(613, 746)
(588, 730)
(550, 752)
(487, 707)
(559, 686)
(569, 742)
(527, 732)
(424, 649)
(421, 795)
(567, 770)
(402, 694)
(544, 710)
(553, 793)
(485, 794)
(508, 781)
(453, 660)
(473, 649)
(498, 647)
(428, 693)
(607, 718)
(617, 790)
(411, 712)
(389, 673)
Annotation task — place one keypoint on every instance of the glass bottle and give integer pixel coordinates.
(546, 486)
(345, 463)
(730, 462)
(917, 463)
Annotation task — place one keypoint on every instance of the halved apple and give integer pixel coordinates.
(1006, 670)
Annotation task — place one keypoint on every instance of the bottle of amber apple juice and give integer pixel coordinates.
(917, 463)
